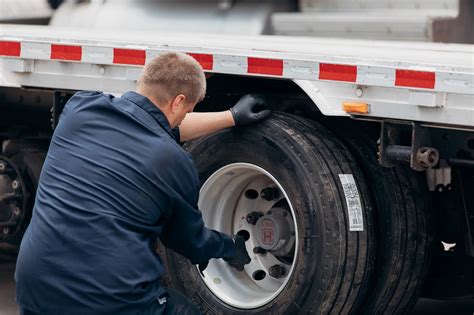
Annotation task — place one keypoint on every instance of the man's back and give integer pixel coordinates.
(105, 189)
(115, 180)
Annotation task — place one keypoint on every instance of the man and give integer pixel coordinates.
(115, 179)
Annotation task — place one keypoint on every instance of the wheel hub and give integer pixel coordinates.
(245, 199)
(12, 199)
(275, 232)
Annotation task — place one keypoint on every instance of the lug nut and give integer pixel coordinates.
(15, 184)
(6, 230)
(276, 271)
(2, 166)
(269, 193)
(259, 250)
(16, 211)
(253, 217)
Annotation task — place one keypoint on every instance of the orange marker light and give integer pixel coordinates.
(356, 108)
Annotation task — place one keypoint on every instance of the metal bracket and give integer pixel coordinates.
(419, 153)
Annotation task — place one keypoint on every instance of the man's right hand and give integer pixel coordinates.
(249, 109)
(241, 257)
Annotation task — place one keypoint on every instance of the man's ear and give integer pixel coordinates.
(178, 102)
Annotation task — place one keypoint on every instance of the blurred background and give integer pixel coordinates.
(412, 20)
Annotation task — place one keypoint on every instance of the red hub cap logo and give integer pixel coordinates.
(268, 232)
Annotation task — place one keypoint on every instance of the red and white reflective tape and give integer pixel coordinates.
(126, 56)
(10, 49)
(440, 81)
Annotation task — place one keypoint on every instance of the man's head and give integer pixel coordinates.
(174, 82)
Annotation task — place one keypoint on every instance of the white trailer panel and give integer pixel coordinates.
(432, 83)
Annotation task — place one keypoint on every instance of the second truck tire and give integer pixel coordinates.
(404, 227)
(315, 180)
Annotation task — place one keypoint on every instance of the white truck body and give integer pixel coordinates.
(428, 83)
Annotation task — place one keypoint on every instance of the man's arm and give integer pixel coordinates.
(249, 109)
(196, 125)
(183, 227)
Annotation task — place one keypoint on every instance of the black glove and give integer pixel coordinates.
(250, 108)
(241, 257)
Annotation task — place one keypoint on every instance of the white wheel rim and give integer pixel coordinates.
(224, 207)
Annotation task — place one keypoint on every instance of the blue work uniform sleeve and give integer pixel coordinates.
(185, 233)
(183, 230)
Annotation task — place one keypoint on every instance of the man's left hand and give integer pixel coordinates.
(249, 109)
(241, 256)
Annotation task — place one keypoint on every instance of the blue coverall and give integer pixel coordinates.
(115, 179)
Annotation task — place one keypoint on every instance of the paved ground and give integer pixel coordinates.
(7, 290)
(423, 307)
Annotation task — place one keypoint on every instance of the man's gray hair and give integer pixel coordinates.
(173, 73)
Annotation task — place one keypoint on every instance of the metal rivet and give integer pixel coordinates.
(359, 92)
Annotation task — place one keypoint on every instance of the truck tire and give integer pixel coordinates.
(328, 269)
(403, 228)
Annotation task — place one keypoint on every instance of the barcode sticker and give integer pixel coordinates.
(354, 207)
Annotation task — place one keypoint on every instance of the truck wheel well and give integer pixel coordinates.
(283, 95)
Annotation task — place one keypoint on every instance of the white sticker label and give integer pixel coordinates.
(354, 207)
